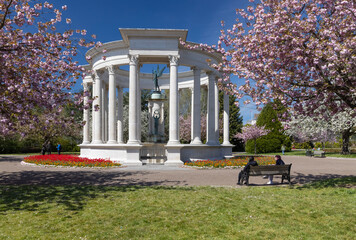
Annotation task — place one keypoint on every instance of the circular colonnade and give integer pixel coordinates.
(103, 129)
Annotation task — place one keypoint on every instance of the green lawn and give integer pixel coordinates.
(302, 153)
(323, 210)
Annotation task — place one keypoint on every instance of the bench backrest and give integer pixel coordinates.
(319, 152)
(270, 169)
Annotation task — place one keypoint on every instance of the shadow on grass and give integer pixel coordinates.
(300, 178)
(341, 182)
(72, 198)
(28, 190)
(80, 178)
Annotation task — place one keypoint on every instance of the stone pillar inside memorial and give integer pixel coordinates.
(156, 118)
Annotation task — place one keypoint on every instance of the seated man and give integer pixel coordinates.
(251, 162)
(279, 161)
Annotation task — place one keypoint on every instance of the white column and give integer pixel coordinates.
(86, 113)
(93, 111)
(226, 120)
(112, 106)
(216, 106)
(191, 114)
(133, 100)
(104, 104)
(173, 101)
(138, 105)
(106, 116)
(97, 114)
(196, 108)
(150, 118)
(210, 134)
(120, 110)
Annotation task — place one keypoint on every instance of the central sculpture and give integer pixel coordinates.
(153, 151)
(156, 74)
(155, 107)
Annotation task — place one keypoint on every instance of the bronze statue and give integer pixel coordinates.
(156, 74)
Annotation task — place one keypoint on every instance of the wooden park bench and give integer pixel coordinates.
(283, 170)
(319, 153)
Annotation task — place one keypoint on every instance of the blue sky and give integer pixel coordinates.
(200, 17)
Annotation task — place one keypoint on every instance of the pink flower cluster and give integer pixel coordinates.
(37, 67)
(299, 51)
(252, 132)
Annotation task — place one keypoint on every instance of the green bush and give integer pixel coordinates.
(338, 150)
(68, 144)
(318, 145)
(9, 145)
(269, 143)
(304, 145)
(309, 145)
(273, 141)
(263, 145)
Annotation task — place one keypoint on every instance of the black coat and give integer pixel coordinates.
(280, 162)
(252, 163)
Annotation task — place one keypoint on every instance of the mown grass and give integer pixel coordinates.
(302, 153)
(323, 210)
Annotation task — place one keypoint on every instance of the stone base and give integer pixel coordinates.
(203, 151)
(133, 155)
(174, 154)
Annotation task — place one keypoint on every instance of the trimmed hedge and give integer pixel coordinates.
(268, 143)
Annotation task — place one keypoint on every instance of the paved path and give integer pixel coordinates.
(304, 169)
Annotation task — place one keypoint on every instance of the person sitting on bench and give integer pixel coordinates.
(279, 161)
(251, 162)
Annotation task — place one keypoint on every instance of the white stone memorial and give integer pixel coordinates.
(104, 139)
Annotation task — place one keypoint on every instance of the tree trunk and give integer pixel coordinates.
(255, 147)
(346, 134)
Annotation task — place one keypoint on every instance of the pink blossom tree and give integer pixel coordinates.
(252, 133)
(299, 51)
(185, 128)
(36, 61)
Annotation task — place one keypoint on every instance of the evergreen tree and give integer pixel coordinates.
(273, 141)
(235, 119)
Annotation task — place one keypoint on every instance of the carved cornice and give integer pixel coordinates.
(96, 75)
(195, 68)
(85, 86)
(210, 74)
(173, 59)
(111, 69)
(134, 59)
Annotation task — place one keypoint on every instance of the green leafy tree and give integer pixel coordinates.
(273, 141)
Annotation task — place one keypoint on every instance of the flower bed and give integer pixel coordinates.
(69, 161)
(230, 163)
